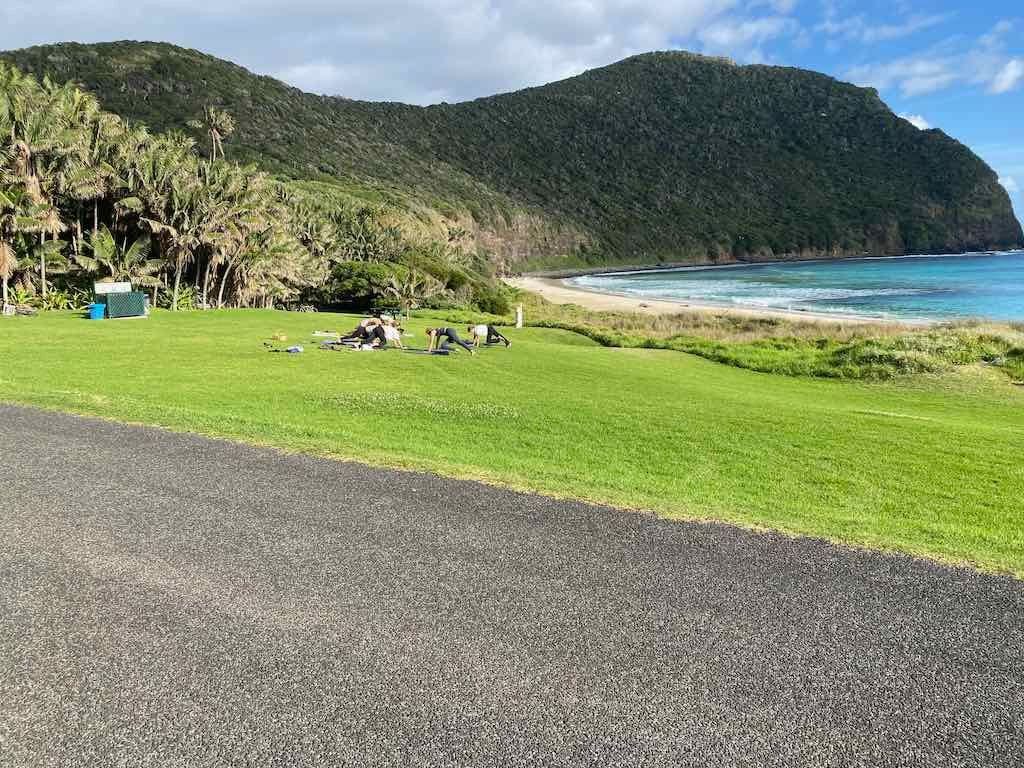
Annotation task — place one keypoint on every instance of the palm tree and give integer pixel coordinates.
(239, 234)
(8, 229)
(269, 263)
(128, 265)
(411, 290)
(8, 263)
(218, 124)
(312, 228)
(12, 83)
(8, 206)
(182, 226)
(168, 199)
(38, 123)
(46, 258)
(91, 174)
(237, 200)
(363, 236)
(20, 217)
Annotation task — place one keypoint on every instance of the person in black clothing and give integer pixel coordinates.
(487, 334)
(365, 332)
(441, 337)
(494, 336)
(369, 332)
(377, 337)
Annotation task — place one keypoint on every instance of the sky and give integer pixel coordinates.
(942, 64)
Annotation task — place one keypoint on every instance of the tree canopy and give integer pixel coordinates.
(84, 194)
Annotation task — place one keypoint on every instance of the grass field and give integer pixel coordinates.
(925, 465)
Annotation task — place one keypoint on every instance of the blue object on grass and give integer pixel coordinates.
(97, 311)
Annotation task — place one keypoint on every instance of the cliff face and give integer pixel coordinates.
(660, 158)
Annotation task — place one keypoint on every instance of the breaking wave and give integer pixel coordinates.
(970, 285)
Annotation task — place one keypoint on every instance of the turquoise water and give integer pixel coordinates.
(983, 285)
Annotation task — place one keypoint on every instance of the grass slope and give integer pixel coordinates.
(928, 466)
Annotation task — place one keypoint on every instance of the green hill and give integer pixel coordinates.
(661, 157)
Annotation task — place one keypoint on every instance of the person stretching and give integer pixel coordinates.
(487, 334)
(440, 338)
(393, 333)
(378, 336)
(364, 332)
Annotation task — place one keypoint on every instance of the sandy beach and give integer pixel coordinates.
(558, 291)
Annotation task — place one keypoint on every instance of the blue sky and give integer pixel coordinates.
(944, 64)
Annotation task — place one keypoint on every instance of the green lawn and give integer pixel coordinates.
(927, 466)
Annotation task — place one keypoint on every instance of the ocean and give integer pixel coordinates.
(970, 285)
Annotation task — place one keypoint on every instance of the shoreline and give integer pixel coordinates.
(565, 274)
(557, 291)
(555, 287)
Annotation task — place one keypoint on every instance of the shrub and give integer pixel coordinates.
(491, 299)
(55, 300)
(358, 284)
(187, 299)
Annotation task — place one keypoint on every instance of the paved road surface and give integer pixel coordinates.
(167, 600)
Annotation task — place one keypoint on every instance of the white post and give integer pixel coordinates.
(519, 316)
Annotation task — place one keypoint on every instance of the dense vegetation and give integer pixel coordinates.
(86, 195)
(925, 465)
(663, 157)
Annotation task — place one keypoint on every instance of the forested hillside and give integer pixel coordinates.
(662, 157)
(85, 197)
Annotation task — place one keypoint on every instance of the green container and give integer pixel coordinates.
(126, 304)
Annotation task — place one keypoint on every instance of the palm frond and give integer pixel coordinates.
(138, 251)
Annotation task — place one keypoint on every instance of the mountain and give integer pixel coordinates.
(665, 157)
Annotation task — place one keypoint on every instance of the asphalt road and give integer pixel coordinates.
(167, 600)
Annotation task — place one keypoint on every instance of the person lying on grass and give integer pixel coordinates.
(486, 334)
(370, 333)
(441, 337)
(364, 332)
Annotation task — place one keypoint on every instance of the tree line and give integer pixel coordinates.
(86, 195)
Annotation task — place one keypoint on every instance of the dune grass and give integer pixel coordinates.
(772, 344)
(928, 465)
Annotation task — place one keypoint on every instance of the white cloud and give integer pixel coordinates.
(778, 6)
(1009, 77)
(983, 62)
(995, 35)
(411, 50)
(1010, 184)
(917, 121)
(731, 34)
(913, 76)
(858, 28)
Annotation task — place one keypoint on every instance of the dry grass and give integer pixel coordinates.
(797, 347)
(724, 326)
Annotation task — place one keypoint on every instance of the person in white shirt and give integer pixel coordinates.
(393, 333)
(487, 334)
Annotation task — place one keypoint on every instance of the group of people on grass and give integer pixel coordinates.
(379, 331)
(441, 339)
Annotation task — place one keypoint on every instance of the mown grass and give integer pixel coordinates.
(928, 465)
(794, 347)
